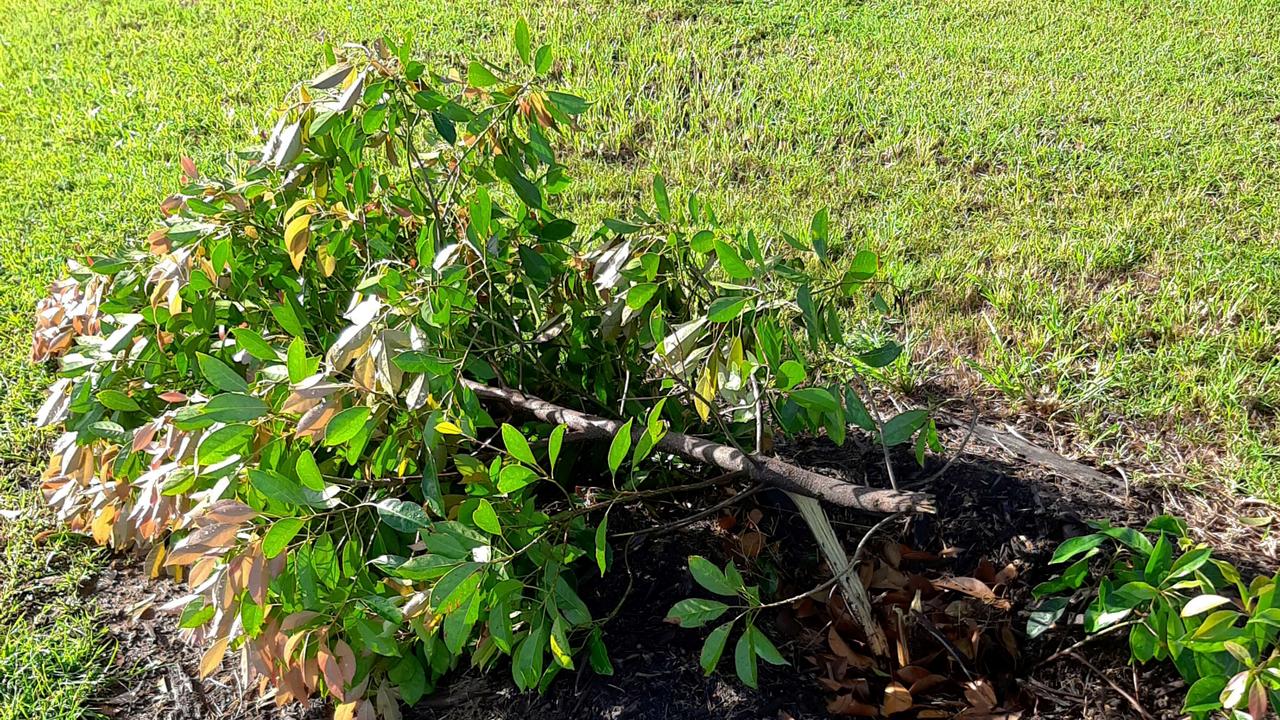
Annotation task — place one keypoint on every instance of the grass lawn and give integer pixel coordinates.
(1078, 199)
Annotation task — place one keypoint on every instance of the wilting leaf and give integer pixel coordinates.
(297, 235)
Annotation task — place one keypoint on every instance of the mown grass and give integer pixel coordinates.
(1078, 199)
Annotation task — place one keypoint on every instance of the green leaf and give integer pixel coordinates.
(522, 48)
(481, 211)
(252, 343)
(731, 261)
(296, 361)
(1189, 563)
(553, 444)
(820, 231)
(598, 653)
(410, 677)
(660, 199)
(709, 576)
(1203, 695)
(765, 648)
(864, 267)
(1045, 615)
(513, 477)
(116, 400)
(1075, 546)
(713, 647)
(620, 446)
(881, 356)
(901, 427)
(817, 399)
(402, 515)
(1160, 561)
(222, 443)
(726, 309)
(277, 487)
(695, 612)
(486, 518)
(640, 295)
(1142, 642)
(602, 544)
(568, 104)
(1130, 538)
(346, 425)
(517, 447)
(219, 375)
(744, 661)
(479, 76)
(309, 472)
(542, 60)
(288, 319)
(416, 361)
(1070, 579)
(282, 531)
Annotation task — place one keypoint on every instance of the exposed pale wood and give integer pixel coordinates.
(768, 470)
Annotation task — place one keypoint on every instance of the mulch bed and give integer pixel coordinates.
(1001, 511)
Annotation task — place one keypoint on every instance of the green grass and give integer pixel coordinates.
(1077, 198)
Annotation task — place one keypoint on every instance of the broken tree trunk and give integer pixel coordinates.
(804, 487)
(768, 470)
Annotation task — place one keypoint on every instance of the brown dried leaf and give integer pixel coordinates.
(212, 657)
(980, 694)
(847, 653)
(973, 587)
(752, 543)
(896, 699)
(846, 705)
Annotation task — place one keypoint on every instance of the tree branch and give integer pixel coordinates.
(768, 470)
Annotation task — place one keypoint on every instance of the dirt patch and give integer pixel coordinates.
(999, 516)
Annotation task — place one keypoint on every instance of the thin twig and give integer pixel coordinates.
(850, 568)
(696, 516)
(973, 425)
(1133, 702)
(1088, 639)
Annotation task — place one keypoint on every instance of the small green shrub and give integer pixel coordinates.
(270, 395)
(1180, 604)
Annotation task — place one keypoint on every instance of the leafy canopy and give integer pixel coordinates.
(269, 394)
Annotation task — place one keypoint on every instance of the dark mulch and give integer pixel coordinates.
(995, 508)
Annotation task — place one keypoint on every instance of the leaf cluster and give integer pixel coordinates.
(1181, 605)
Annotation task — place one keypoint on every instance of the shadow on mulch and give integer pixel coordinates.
(992, 507)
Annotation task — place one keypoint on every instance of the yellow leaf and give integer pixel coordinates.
(251, 232)
(297, 234)
(103, 523)
(296, 207)
(706, 391)
(444, 427)
(155, 560)
(327, 261)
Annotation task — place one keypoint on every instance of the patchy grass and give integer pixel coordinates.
(53, 656)
(1079, 199)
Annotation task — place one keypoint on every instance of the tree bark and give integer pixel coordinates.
(768, 470)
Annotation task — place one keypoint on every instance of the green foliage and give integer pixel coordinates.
(1180, 604)
(275, 394)
(752, 644)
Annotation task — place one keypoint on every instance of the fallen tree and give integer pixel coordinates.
(314, 394)
(769, 470)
